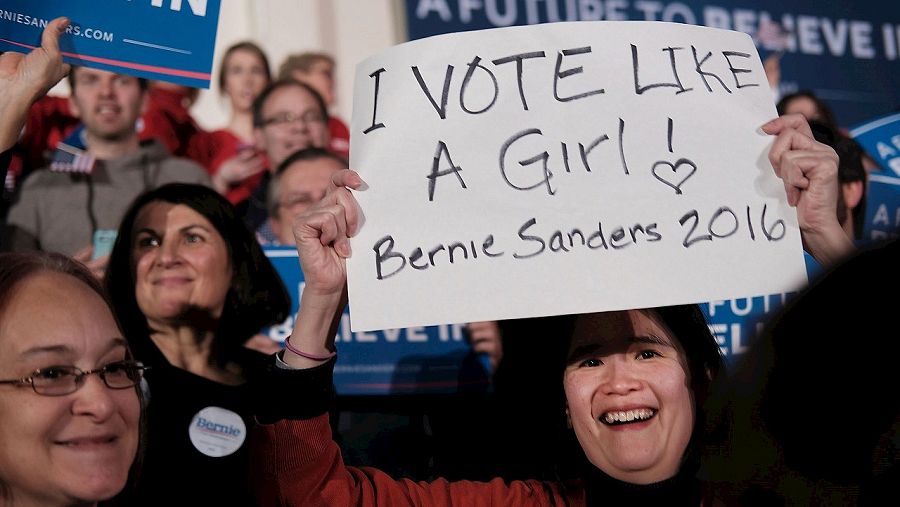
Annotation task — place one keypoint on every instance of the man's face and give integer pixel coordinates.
(301, 185)
(108, 104)
(292, 120)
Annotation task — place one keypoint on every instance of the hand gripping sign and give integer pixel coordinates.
(565, 168)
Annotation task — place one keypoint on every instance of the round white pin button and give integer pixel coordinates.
(217, 431)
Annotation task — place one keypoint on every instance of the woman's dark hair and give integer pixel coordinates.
(825, 113)
(15, 269)
(243, 46)
(257, 296)
(705, 365)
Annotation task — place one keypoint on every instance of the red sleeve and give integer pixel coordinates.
(49, 122)
(169, 121)
(296, 463)
(200, 148)
(340, 137)
(221, 145)
(210, 149)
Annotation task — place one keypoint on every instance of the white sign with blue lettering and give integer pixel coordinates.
(565, 168)
(881, 139)
(168, 40)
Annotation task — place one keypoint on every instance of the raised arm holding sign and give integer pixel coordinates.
(807, 168)
(565, 168)
(635, 380)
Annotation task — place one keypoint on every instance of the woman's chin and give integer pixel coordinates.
(185, 314)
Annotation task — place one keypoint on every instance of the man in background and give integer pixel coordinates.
(317, 70)
(288, 116)
(96, 172)
(299, 182)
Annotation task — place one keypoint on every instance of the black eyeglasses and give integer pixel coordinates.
(63, 380)
(308, 118)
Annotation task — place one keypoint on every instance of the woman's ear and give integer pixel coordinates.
(853, 192)
(568, 417)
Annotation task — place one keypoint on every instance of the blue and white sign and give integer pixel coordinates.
(737, 323)
(437, 359)
(168, 40)
(848, 53)
(881, 140)
(882, 208)
(415, 360)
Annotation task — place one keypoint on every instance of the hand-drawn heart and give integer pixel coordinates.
(675, 170)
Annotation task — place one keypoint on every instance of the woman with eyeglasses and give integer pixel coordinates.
(70, 405)
(191, 285)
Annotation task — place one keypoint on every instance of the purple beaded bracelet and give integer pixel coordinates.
(287, 345)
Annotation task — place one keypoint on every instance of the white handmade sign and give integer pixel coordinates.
(565, 168)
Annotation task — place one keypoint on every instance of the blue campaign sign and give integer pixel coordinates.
(848, 53)
(882, 208)
(736, 323)
(168, 40)
(881, 140)
(437, 359)
(417, 360)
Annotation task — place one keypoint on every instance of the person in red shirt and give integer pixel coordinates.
(635, 381)
(168, 120)
(234, 163)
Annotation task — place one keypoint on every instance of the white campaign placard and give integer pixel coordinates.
(565, 168)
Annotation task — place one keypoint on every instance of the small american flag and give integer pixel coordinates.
(10, 183)
(773, 36)
(69, 159)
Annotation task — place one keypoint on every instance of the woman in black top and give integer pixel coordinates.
(191, 285)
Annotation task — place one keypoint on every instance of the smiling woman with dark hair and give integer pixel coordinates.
(191, 286)
(635, 381)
